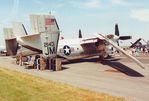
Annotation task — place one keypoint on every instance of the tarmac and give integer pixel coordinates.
(117, 76)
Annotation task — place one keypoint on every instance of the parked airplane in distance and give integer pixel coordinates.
(2, 50)
(139, 44)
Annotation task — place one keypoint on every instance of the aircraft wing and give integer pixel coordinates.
(121, 50)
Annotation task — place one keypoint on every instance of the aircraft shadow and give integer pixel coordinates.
(112, 62)
(78, 61)
(122, 68)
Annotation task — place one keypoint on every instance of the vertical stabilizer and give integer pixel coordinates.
(8, 33)
(10, 40)
(48, 28)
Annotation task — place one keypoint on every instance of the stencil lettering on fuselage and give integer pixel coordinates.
(50, 48)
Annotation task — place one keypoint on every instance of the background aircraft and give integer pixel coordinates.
(2, 49)
(139, 44)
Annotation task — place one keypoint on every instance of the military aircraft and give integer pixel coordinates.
(47, 41)
(139, 44)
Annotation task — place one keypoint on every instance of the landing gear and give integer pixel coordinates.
(101, 58)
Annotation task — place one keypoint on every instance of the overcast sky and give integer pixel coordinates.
(89, 15)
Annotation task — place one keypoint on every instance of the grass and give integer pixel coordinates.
(15, 86)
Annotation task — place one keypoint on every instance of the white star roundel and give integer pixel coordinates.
(67, 50)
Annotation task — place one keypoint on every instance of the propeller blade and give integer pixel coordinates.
(121, 50)
(80, 33)
(125, 37)
(118, 43)
(116, 30)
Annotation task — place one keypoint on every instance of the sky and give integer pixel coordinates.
(91, 16)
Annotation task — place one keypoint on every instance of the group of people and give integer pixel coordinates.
(137, 51)
(20, 59)
(37, 62)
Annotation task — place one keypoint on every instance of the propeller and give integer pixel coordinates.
(80, 33)
(120, 37)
